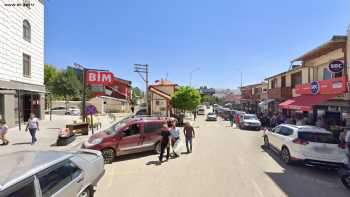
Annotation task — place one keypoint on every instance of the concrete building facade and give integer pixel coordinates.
(22, 89)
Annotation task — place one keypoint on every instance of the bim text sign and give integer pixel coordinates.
(98, 77)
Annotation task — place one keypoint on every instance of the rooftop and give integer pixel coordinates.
(336, 42)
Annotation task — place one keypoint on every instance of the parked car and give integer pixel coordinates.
(63, 111)
(249, 121)
(211, 116)
(50, 173)
(308, 144)
(201, 111)
(131, 135)
(141, 112)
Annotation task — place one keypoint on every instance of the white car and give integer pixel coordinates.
(249, 121)
(308, 144)
(62, 111)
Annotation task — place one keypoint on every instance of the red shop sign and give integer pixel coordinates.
(99, 77)
(330, 86)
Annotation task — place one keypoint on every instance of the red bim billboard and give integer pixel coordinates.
(98, 77)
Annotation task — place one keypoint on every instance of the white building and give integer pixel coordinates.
(21, 60)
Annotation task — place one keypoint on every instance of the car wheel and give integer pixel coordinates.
(285, 155)
(108, 155)
(266, 142)
(346, 181)
(86, 193)
(157, 148)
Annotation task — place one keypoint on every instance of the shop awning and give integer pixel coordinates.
(305, 102)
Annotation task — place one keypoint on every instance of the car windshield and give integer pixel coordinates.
(115, 128)
(250, 117)
(318, 137)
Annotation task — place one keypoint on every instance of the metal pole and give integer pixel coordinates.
(84, 97)
(147, 96)
(241, 79)
(50, 106)
(18, 109)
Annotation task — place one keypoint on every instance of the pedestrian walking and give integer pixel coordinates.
(194, 115)
(231, 119)
(189, 134)
(175, 136)
(33, 126)
(164, 143)
(3, 131)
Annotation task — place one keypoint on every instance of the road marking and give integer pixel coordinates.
(257, 188)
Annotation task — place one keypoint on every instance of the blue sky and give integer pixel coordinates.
(221, 37)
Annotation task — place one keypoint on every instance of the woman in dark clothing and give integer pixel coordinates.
(164, 144)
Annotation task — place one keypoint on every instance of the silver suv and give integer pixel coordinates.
(50, 173)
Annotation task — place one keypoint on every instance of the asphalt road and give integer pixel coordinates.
(225, 162)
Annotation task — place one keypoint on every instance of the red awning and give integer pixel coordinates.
(305, 102)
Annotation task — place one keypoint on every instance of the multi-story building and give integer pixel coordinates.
(316, 84)
(252, 95)
(160, 96)
(22, 89)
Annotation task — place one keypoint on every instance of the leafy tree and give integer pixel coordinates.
(186, 98)
(209, 98)
(66, 84)
(136, 94)
(50, 73)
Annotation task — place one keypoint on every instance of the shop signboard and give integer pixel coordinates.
(331, 86)
(99, 77)
(336, 66)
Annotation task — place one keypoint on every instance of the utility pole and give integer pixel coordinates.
(142, 70)
(83, 69)
(194, 70)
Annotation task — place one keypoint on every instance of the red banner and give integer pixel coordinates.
(99, 77)
(331, 86)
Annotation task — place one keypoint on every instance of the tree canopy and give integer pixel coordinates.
(66, 84)
(186, 98)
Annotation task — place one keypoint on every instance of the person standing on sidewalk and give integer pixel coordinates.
(175, 135)
(3, 131)
(164, 143)
(33, 126)
(189, 134)
(194, 115)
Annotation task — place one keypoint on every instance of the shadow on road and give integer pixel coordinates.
(298, 180)
(22, 143)
(133, 156)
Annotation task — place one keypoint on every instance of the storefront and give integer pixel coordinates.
(19, 100)
(326, 99)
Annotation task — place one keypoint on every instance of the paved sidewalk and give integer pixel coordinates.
(47, 135)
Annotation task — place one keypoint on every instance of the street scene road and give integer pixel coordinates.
(225, 161)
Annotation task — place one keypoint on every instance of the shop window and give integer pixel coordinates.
(2, 107)
(326, 74)
(339, 74)
(296, 79)
(26, 65)
(274, 83)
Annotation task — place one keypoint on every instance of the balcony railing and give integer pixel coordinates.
(280, 93)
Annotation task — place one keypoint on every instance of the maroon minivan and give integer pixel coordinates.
(131, 135)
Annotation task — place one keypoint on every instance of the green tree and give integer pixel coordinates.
(50, 73)
(209, 98)
(66, 85)
(186, 98)
(136, 94)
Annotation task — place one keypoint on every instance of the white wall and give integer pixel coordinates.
(12, 44)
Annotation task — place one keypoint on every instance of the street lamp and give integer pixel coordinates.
(194, 70)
